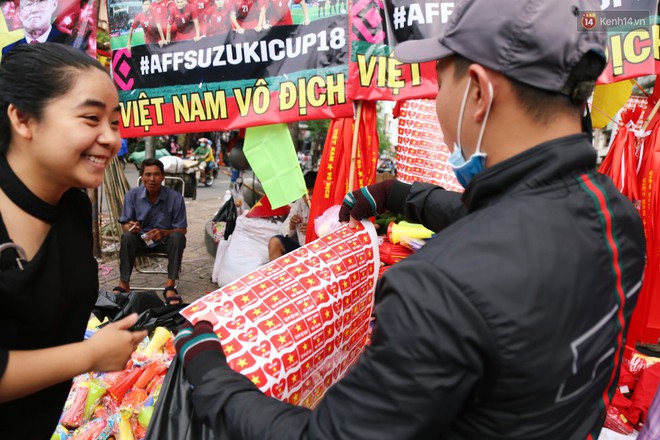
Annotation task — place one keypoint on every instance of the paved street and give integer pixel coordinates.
(197, 264)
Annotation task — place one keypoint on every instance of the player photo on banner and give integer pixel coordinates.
(70, 22)
(220, 64)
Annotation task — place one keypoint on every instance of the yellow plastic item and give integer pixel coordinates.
(158, 340)
(404, 229)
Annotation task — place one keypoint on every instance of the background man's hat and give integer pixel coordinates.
(536, 42)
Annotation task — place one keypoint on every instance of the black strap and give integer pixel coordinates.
(21, 195)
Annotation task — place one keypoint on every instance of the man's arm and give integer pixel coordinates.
(428, 356)
(423, 203)
(430, 205)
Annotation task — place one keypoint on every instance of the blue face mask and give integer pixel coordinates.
(464, 169)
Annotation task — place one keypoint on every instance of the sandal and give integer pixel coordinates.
(118, 289)
(172, 299)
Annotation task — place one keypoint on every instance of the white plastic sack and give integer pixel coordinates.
(328, 221)
(607, 434)
(172, 164)
(245, 250)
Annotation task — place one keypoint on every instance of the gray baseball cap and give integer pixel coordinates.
(536, 42)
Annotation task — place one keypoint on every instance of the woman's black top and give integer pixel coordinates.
(47, 304)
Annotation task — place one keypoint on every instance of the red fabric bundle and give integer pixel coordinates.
(644, 393)
(392, 253)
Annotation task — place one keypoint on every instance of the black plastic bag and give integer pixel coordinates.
(115, 306)
(147, 304)
(162, 316)
(173, 417)
(227, 215)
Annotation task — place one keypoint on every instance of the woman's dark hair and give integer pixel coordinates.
(151, 162)
(31, 75)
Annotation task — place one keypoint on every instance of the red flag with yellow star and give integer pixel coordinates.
(301, 319)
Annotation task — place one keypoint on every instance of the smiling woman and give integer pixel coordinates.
(58, 130)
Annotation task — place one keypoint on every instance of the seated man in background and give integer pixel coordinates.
(153, 220)
(294, 228)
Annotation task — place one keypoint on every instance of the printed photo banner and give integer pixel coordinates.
(374, 73)
(422, 153)
(379, 25)
(294, 326)
(631, 38)
(223, 78)
(70, 22)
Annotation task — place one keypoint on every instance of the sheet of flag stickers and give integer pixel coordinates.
(422, 152)
(294, 326)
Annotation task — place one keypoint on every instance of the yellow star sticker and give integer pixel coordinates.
(316, 246)
(294, 378)
(257, 312)
(234, 287)
(229, 349)
(321, 296)
(330, 331)
(262, 286)
(245, 298)
(287, 260)
(350, 261)
(306, 304)
(290, 358)
(282, 339)
(340, 247)
(304, 346)
(328, 255)
(251, 277)
(327, 313)
(194, 308)
(294, 398)
(338, 268)
(308, 366)
(242, 363)
(275, 298)
(270, 323)
(287, 311)
(8, 37)
(298, 270)
(298, 328)
(255, 380)
(314, 321)
(311, 281)
(294, 289)
(345, 284)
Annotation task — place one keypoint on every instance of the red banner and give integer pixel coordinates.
(334, 170)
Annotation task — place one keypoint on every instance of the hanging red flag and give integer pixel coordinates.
(333, 173)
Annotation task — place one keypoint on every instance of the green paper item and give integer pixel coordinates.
(96, 391)
(269, 150)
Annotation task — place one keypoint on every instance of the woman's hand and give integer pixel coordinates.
(111, 347)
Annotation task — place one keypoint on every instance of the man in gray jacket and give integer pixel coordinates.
(510, 323)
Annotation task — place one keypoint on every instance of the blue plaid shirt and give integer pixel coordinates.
(169, 211)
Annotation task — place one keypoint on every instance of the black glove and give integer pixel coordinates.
(366, 201)
(192, 341)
